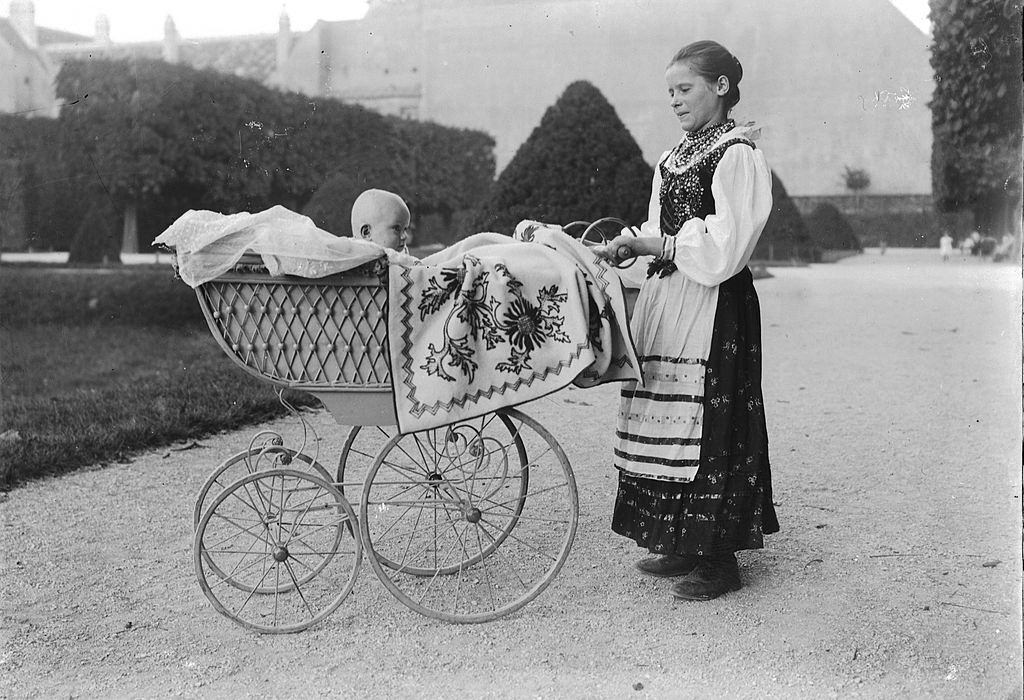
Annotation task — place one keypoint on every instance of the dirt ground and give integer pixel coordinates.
(893, 392)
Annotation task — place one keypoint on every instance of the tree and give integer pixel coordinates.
(435, 169)
(98, 238)
(856, 180)
(830, 230)
(164, 138)
(450, 169)
(579, 163)
(36, 182)
(977, 111)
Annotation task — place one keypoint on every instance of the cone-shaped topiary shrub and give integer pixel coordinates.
(580, 163)
(830, 230)
(785, 236)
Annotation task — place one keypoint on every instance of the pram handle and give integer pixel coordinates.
(622, 253)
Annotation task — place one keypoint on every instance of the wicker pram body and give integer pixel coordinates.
(326, 336)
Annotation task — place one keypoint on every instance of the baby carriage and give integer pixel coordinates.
(464, 523)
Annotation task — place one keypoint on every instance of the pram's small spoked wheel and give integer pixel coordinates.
(275, 550)
(470, 522)
(270, 456)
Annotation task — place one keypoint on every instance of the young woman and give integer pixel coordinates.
(692, 447)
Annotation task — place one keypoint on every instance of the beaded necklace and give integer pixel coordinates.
(694, 144)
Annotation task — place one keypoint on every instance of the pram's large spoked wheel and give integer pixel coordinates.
(470, 522)
(275, 551)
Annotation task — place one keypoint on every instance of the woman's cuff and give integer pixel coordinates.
(668, 249)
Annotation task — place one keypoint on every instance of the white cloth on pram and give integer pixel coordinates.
(208, 244)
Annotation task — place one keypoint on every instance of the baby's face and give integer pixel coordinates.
(389, 226)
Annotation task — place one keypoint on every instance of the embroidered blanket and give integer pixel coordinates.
(495, 321)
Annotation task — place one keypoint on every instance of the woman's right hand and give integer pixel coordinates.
(626, 246)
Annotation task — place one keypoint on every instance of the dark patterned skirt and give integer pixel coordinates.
(728, 506)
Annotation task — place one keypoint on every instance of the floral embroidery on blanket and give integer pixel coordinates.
(524, 324)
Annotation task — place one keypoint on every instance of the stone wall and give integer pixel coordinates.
(870, 204)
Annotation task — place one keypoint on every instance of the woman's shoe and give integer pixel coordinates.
(668, 565)
(711, 578)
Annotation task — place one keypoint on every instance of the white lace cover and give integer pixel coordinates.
(207, 244)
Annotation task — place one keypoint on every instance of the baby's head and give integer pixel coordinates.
(382, 217)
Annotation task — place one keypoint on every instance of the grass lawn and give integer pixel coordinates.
(121, 362)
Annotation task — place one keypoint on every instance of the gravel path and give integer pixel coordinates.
(893, 393)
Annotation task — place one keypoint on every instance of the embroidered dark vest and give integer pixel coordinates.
(687, 194)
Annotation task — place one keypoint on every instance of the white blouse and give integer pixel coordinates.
(712, 250)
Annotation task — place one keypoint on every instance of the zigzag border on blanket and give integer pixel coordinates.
(419, 408)
(620, 362)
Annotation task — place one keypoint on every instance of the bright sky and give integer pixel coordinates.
(143, 20)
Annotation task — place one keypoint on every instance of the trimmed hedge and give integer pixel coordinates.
(785, 236)
(579, 163)
(33, 295)
(830, 229)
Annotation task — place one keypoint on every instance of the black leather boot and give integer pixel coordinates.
(668, 565)
(712, 577)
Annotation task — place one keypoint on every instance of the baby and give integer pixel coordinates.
(382, 217)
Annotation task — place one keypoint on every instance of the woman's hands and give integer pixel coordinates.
(628, 245)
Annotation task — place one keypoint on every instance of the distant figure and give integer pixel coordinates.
(945, 246)
(382, 217)
(975, 248)
(1004, 250)
(966, 247)
(882, 245)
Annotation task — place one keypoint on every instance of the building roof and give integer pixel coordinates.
(245, 56)
(13, 38)
(252, 56)
(58, 36)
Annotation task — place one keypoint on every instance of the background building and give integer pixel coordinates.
(833, 83)
(26, 72)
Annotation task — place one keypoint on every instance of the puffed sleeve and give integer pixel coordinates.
(652, 227)
(711, 250)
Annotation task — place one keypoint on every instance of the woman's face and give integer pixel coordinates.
(697, 102)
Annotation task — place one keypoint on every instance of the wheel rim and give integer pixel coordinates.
(283, 538)
(270, 456)
(482, 532)
(516, 476)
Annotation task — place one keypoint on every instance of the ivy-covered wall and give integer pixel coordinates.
(977, 111)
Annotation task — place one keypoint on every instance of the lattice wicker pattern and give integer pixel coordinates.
(301, 332)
